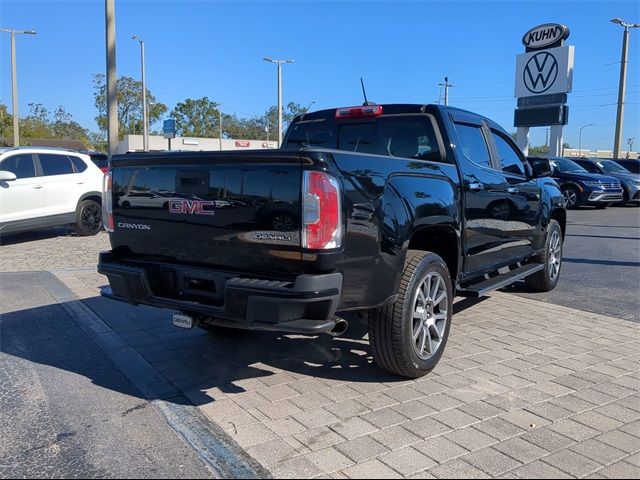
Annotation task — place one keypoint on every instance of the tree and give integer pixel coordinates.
(289, 112)
(6, 121)
(129, 96)
(539, 150)
(36, 124)
(197, 118)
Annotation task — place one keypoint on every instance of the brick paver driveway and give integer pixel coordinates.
(525, 389)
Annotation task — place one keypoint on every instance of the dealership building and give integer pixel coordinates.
(132, 143)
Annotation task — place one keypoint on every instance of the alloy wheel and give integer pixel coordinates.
(429, 318)
(555, 254)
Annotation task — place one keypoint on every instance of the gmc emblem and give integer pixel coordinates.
(192, 207)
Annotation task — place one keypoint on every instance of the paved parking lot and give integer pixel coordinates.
(525, 388)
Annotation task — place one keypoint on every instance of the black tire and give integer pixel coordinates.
(88, 218)
(126, 204)
(391, 328)
(571, 197)
(546, 279)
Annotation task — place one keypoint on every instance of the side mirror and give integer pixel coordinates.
(6, 176)
(542, 168)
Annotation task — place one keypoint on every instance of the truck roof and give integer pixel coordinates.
(397, 108)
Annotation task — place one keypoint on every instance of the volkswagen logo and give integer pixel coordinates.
(540, 72)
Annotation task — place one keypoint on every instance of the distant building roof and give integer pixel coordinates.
(45, 142)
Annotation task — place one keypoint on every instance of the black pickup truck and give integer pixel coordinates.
(391, 210)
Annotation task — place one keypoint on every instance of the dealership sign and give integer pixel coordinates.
(546, 35)
(544, 72)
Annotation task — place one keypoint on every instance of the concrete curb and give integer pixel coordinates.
(216, 449)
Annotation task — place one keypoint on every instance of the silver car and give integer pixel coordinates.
(630, 181)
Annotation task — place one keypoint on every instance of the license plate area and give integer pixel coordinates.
(200, 286)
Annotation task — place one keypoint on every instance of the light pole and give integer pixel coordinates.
(623, 84)
(14, 81)
(446, 86)
(112, 82)
(307, 109)
(279, 63)
(630, 143)
(580, 138)
(145, 115)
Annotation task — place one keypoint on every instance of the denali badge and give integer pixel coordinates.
(134, 226)
(192, 207)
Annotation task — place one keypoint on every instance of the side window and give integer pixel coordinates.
(509, 158)
(473, 144)
(589, 167)
(21, 165)
(78, 164)
(53, 164)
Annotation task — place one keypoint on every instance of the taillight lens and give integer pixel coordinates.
(321, 213)
(107, 205)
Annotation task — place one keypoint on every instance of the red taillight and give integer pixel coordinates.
(104, 169)
(107, 206)
(321, 217)
(359, 112)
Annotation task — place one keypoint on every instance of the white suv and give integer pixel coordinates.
(45, 187)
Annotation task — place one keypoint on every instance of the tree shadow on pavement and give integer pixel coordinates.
(31, 236)
(202, 363)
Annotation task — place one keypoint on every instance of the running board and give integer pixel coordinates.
(487, 285)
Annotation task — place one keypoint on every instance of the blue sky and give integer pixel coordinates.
(403, 49)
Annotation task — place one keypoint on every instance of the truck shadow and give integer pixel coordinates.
(202, 365)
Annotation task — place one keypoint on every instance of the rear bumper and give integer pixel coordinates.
(305, 305)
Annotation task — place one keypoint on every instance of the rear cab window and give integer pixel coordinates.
(409, 136)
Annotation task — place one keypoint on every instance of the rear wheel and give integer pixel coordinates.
(408, 336)
(88, 218)
(571, 197)
(546, 279)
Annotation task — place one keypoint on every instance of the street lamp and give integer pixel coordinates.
(580, 138)
(279, 63)
(14, 80)
(145, 116)
(307, 109)
(623, 83)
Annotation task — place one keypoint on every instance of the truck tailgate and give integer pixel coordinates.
(227, 210)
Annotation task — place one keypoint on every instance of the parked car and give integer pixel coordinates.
(394, 212)
(45, 187)
(630, 181)
(632, 165)
(99, 158)
(579, 187)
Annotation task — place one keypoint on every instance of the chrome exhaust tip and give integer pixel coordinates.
(339, 327)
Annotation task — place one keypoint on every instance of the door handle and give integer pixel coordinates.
(512, 190)
(476, 186)
(37, 187)
(79, 183)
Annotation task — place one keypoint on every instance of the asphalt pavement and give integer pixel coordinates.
(601, 257)
(65, 410)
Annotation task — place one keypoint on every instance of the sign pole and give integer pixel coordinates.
(555, 148)
(522, 139)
